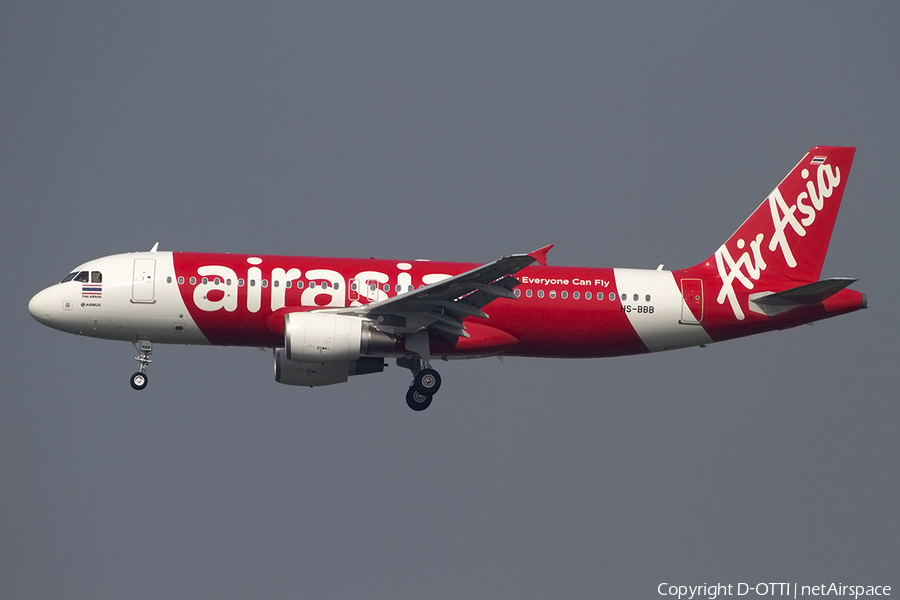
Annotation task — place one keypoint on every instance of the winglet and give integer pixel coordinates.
(155, 246)
(540, 255)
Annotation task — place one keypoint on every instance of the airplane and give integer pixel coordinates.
(327, 319)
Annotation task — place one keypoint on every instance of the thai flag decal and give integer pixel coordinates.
(91, 290)
(818, 160)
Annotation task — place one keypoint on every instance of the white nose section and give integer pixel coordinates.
(39, 306)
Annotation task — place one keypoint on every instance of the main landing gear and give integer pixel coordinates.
(145, 349)
(425, 384)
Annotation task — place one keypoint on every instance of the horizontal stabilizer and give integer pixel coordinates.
(811, 293)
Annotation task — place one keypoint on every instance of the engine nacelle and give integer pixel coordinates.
(316, 337)
(325, 348)
(291, 372)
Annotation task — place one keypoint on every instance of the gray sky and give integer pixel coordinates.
(629, 134)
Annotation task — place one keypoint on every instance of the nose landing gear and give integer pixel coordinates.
(145, 349)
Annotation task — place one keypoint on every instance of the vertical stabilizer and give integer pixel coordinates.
(786, 238)
(788, 235)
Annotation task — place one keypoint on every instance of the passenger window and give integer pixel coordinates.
(181, 281)
(564, 294)
(82, 277)
(169, 279)
(553, 293)
(540, 293)
(528, 293)
(241, 282)
(517, 293)
(252, 283)
(612, 295)
(576, 295)
(587, 295)
(228, 281)
(337, 285)
(97, 277)
(635, 297)
(399, 287)
(647, 297)
(386, 287)
(217, 281)
(300, 285)
(265, 283)
(288, 283)
(275, 283)
(193, 281)
(205, 280)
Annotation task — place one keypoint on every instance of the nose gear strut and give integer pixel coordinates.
(145, 349)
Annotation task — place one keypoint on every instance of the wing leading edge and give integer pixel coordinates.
(443, 306)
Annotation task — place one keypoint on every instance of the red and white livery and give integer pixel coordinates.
(329, 318)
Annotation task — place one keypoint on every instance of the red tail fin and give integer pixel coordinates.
(786, 238)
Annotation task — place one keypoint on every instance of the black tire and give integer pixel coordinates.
(417, 401)
(427, 382)
(139, 381)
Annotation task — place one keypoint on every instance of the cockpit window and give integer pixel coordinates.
(96, 277)
(82, 277)
(69, 277)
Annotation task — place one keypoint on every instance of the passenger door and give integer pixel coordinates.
(143, 283)
(692, 308)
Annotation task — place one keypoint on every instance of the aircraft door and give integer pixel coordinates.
(692, 307)
(143, 283)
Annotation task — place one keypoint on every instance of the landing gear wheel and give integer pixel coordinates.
(139, 381)
(416, 400)
(427, 382)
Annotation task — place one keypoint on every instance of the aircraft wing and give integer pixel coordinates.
(442, 306)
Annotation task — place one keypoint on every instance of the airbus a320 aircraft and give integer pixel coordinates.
(329, 318)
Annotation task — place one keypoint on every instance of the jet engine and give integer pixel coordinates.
(314, 374)
(317, 337)
(325, 348)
